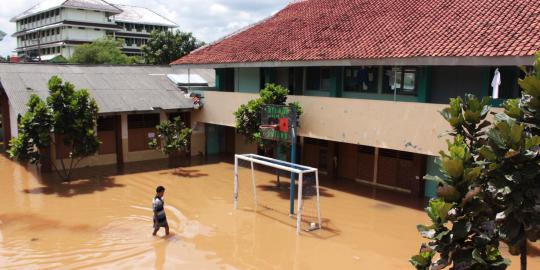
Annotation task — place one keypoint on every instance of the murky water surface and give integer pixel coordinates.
(103, 221)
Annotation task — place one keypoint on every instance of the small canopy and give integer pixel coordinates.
(188, 80)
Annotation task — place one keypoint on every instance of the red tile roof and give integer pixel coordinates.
(370, 29)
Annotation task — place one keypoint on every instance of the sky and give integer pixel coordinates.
(208, 20)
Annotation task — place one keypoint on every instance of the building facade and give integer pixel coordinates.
(53, 28)
(371, 87)
(136, 24)
(132, 101)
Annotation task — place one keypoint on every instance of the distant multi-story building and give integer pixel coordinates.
(54, 27)
(136, 24)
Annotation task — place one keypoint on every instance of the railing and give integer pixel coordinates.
(406, 126)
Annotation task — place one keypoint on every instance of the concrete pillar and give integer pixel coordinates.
(376, 166)
(125, 136)
(6, 118)
(163, 116)
(119, 141)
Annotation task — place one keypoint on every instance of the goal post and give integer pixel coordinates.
(293, 168)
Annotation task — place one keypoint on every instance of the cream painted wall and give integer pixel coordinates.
(84, 15)
(405, 126)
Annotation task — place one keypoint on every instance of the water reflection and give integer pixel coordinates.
(103, 220)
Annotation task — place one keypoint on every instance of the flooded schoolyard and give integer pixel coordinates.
(103, 220)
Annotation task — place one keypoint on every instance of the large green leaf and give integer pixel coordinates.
(438, 209)
(422, 261)
(532, 142)
(471, 174)
(453, 167)
(530, 86)
(426, 231)
(461, 229)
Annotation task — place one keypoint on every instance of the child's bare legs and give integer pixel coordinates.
(167, 230)
(155, 231)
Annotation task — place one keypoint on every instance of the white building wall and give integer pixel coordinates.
(84, 15)
(86, 34)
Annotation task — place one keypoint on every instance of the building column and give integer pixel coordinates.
(119, 142)
(125, 136)
(376, 166)
(6, 119)
(486, 82)
(337, 82)
(163, 117)
(424, 84)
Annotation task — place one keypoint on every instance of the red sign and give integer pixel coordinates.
(284, 124)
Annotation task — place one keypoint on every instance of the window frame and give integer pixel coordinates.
(319, 77)
(400, 90)
(373, 86)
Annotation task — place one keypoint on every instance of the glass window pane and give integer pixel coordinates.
(326, 79)
(409, 81)
(361, 79)
(392, 79)
(313, 78)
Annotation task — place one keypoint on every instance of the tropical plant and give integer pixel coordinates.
(172, 137)
(164, 47)
(69, 116)
(102, 51)
(248, 116)
(512, 157)
(463, 233)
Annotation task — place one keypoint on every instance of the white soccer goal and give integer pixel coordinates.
(300, 170)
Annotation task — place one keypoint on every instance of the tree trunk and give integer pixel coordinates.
(523, 255)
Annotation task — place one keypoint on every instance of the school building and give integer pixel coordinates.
(132, 101)
(371, 76)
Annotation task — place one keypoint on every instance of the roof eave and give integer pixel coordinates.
(408, 61)
(137, 22)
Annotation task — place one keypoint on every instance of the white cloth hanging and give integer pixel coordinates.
(495, 83)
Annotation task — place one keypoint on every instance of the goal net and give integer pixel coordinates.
(255, 187)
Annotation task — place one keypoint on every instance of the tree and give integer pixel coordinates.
(248, 116)
(102, 51)
(172, 137)
(512, 157)
(164, 47)
(463, 233)
(69, 116)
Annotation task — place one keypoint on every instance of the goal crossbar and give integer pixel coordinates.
(282, 165)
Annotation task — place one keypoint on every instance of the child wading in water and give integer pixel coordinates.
(160, 219)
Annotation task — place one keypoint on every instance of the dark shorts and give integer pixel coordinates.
(160, 222)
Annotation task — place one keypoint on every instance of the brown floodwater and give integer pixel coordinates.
(103, 220)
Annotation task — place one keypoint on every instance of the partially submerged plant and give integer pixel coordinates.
(462, 233)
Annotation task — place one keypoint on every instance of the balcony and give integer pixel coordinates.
(405, 126)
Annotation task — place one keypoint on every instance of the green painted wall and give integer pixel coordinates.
(432, 168)
(248, 80)
(374, 96)
(487, 81)
(337, 82)
(424, 84)
(269, 75)
(219, 77)
(212, 139)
